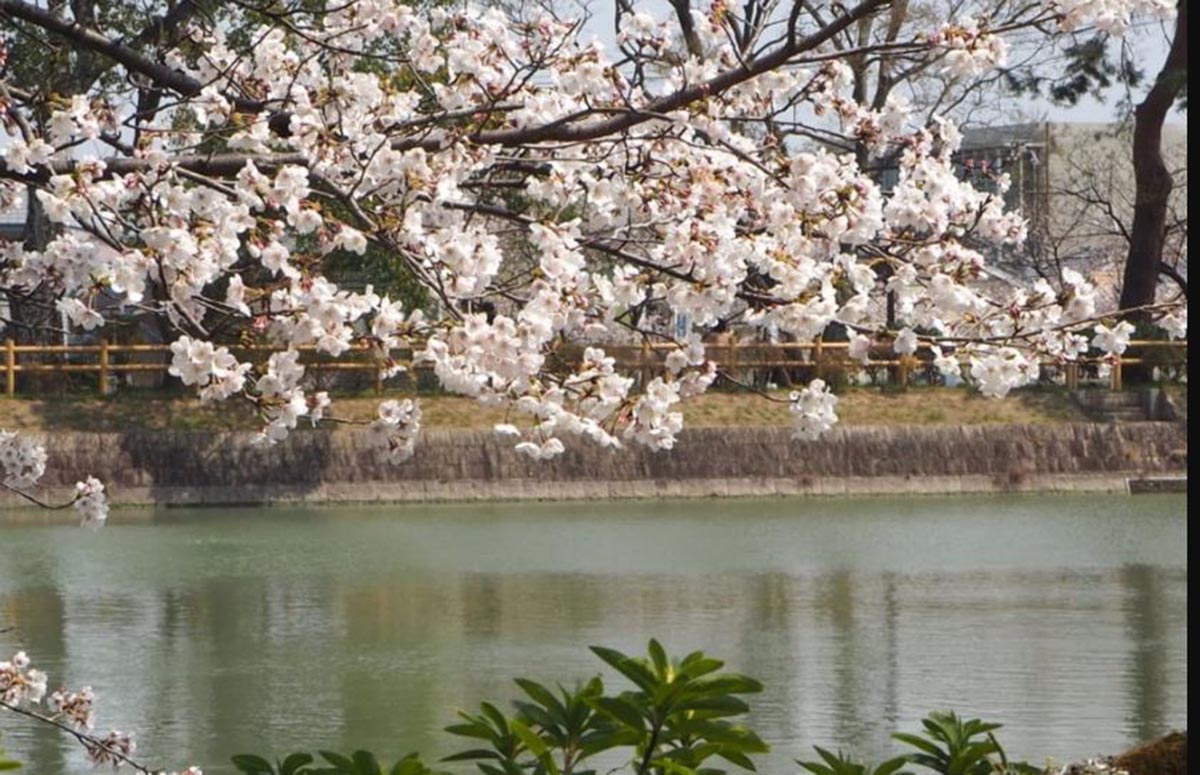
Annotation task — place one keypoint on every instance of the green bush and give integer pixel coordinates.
(677, 720)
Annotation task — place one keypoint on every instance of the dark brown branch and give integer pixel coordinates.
(1171, 273)
(133, 60)
(1152, 179)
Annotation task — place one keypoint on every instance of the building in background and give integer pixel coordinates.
(1075, 184)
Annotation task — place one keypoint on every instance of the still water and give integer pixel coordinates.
(223, 631)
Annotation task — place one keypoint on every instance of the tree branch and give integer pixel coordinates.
(133, 61)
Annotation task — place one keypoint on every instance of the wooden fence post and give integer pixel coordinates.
(103, 366)
(817, 357)
(644, 362)
(10, 367)
(1116, 373)
(1072, 376)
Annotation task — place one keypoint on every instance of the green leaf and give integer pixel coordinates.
(726, 683)
(738, 737)
(659, 657)
(294, 762)
(835, 764)
(630, 668)
(366, 763)
(604, 740)
(891, 766)
(476, 730)
(724, 706)
(673, 767)
(410, 765)
(536, 746)
(620, 710)
(338, 761)
(919, 742)
(252, 765)
(471, 755)
(495, 716)
(696, 664)
(541, 695)
(536, 714)
(739, 759)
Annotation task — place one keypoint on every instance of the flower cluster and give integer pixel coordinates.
(998, 370)
(283, 401)
(813, 410)
(538, 190)
(114, 748)
(1114, 340)
(19, 683)
(394, 433)
(23, 687)
(1175, 324)
(1112, 16)
(970, 48)
(74, 707)
(91, 503)
(22, 460)
(211, 368)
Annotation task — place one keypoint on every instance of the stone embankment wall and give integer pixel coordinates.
(211, 467)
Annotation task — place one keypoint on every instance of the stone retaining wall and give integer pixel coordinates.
(218, 467)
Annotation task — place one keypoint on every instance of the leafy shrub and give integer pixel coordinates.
(677, 720)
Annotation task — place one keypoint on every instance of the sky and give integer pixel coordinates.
(1149, 40)
(1150, 45)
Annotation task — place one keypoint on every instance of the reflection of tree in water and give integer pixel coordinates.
(829, 646)
(1147, 673)
(863, 614)
(891, 681)
(848, 699)
(233, 617)
(767, 641)
(482, 605)
(35, 620)
(422, 647)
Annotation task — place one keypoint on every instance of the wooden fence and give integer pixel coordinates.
(106, 359)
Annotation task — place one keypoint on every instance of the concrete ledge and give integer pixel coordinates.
(337, 467)
(1156, 484)
(534, 490)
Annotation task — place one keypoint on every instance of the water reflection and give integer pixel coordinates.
(212, 637)
(1147, 675)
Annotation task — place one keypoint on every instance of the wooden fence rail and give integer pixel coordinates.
(644, 359)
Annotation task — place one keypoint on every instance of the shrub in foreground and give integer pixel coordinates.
(678, 719)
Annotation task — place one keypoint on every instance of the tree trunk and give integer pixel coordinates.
(1153, 187)
(35, 319)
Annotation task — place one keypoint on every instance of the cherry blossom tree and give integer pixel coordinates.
(541, 190)
(320, 132)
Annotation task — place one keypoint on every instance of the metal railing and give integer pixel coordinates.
(105, 359)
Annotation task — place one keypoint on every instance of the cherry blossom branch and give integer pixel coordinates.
(34, 500)
(117, 51)
(94, 745)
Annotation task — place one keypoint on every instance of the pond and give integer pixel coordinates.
(218, 631)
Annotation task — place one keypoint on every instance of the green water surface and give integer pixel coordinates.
(218, 631)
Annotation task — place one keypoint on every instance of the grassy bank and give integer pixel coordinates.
(918, 406)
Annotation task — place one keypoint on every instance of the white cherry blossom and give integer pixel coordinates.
(813, 410)
(1114, 340)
